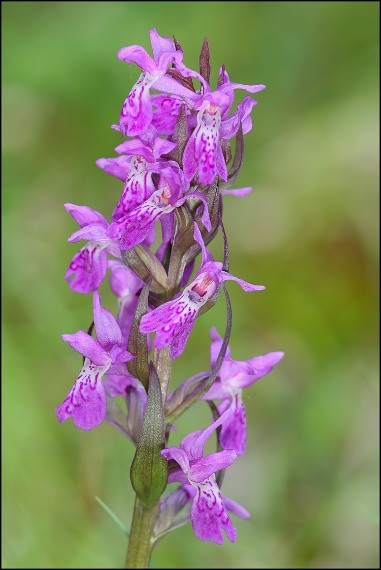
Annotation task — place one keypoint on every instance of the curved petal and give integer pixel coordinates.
(160, 44)
(92, 232)
(259, 366)
(240, 192)
(205, 467)
(137, 54)
(108, 330)
(84, 215)
(136, 147)
(226, 87)
(118, 166)
(248, 287)
(86, 345)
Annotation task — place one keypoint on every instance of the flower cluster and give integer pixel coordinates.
(175, 168)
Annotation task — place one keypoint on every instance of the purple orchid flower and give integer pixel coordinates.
(89, 265)
(203, 153)
(173, 321)
(233, 376)
(171, 505)
(86, 401)
(136, 114)
(208, 512)
(134, 227)
(135, 168)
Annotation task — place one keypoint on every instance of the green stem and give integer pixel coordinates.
(141, 532)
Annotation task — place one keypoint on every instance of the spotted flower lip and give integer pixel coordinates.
(233, 376)
(88, 267)
(203, 152)
(208, 512)
(135, 166)
(136, 114)
(86, 401)
(173, 321)
(134, 227)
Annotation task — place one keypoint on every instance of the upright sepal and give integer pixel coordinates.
(205, 61)
(149, 469)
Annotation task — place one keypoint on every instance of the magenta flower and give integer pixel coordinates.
(138, 164)
(234, 375)
(208, 513)
(203, 153)
(174, 320)
(86, 401)
(134, 227)
(171, 505)
(89, 265)
(136, 114)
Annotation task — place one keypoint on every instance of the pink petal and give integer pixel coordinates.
(118, 166)
(84, 215)
(88, 346)
(137, 54)
(206, 466)
(86, 401)
(108, 330)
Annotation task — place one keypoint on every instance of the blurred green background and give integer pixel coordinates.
(309, 232)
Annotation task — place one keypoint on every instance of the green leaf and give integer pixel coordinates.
(149, 470)
(137, 342)
(113, 516)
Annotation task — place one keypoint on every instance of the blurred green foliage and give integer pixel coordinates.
(309, 232)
